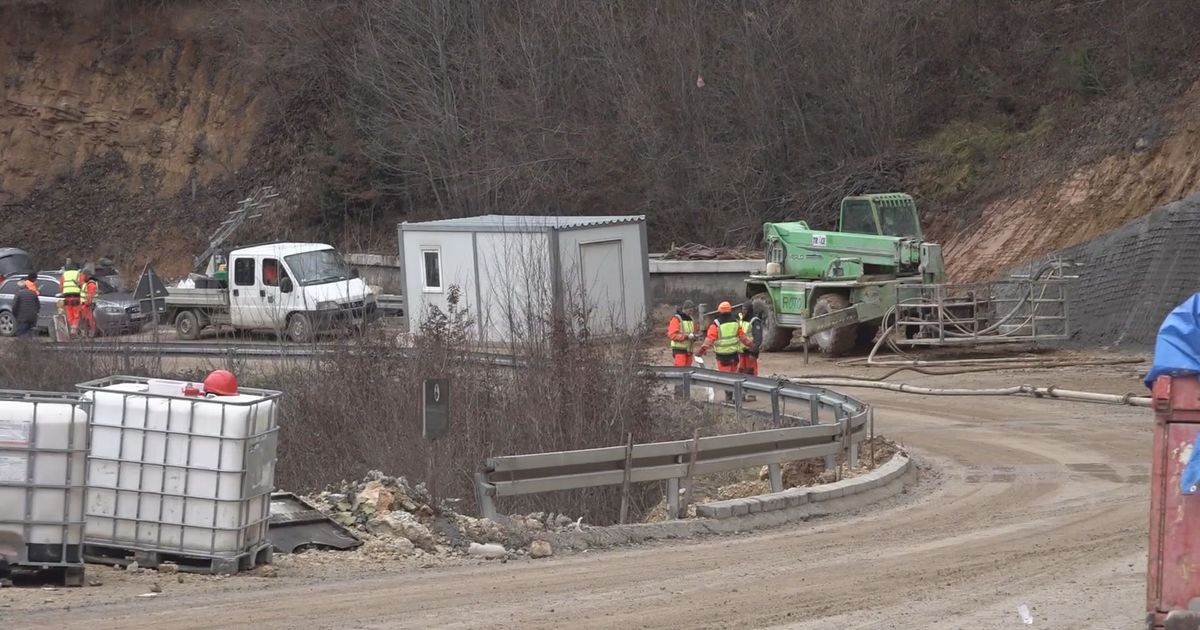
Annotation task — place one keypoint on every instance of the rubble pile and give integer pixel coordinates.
(696, 251)
(394, 517)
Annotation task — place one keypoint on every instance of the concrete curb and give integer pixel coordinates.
(794, 497)
(780, 508)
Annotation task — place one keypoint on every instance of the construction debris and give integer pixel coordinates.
(540, 549)
(397, 518)
(297, 525)
(490, 551)
(696, 251)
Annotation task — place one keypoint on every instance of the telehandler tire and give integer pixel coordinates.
(839, 341)
(775, 337)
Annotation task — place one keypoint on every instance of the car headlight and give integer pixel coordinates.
(326, 306)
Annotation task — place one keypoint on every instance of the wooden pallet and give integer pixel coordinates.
(189, 563)
(36, 573)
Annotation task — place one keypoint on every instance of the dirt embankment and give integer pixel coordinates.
(1161, 166)
(154, 87)
(123, 124)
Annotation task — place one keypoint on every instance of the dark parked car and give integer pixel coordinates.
(116, 312)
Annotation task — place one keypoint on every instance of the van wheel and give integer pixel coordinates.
(299, 328)
(187, 325)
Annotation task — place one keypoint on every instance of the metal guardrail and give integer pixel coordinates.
(266, 350)
(845, 421)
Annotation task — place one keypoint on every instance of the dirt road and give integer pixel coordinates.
(1031, 502)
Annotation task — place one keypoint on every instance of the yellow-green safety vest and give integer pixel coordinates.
(686, 326)
(727, 338)
(744, 326)
(70, 282)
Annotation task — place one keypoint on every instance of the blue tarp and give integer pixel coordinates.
(1177, 349)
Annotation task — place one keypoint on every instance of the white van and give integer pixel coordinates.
(294, 289)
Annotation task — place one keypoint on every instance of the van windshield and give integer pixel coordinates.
(318, 267)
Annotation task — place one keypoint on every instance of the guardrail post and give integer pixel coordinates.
(673, 497)
(776, 409)
(776, 475)
(685, 389)
(814, 405)
(838, 414)
(487, 505)
(853, 450)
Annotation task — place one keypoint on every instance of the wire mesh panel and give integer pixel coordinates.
(1027, 310)
(179, 474)
(43, 447)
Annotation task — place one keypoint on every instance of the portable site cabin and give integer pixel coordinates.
(515, 274)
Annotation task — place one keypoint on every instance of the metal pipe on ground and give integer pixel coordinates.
(1016, 390)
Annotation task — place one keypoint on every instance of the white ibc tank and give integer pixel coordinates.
(43, 445)
(176, 473)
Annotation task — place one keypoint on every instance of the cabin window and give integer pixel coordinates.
(431, 270)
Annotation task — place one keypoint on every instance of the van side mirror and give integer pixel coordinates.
(285, 285)
(354, 272)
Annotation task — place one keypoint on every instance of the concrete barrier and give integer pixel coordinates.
(789, 506)
(708, 281)
(793, 497)
(380, 271)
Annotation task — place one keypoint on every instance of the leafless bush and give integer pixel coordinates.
(360, 409)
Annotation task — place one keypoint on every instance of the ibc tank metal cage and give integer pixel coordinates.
(43, 446)
(180, 478)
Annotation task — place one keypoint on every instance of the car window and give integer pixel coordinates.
(272, 272)
(8, 288)
(243, 272)
(47, 288)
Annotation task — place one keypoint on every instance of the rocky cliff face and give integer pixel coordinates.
(114, 116)
(151, 85)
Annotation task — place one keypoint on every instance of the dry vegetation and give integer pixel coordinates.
(707, 116)
(359, 410)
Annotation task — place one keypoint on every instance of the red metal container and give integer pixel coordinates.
(1173, 575)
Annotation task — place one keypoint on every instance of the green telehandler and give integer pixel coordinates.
(836, 286)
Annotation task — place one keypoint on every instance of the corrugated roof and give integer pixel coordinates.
(521, 223)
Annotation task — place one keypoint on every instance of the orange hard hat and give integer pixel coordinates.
(221, 383)
(724, 307)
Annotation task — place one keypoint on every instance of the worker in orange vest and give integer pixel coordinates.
(30, 283)
(752, 327)
(725, 338)
(69, 286)
(87, 304)
(682, 333)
